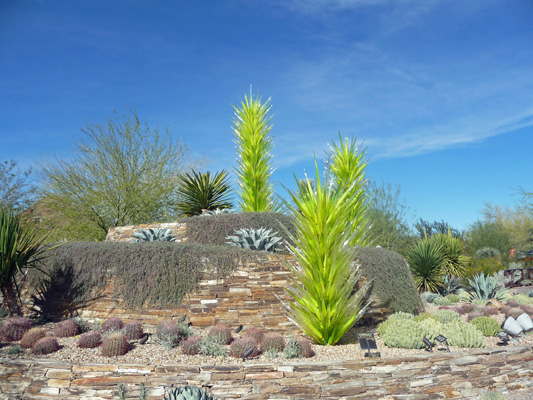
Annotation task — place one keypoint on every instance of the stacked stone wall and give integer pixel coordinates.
(425, 377)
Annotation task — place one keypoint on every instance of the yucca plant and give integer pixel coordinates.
(347, 166)
(19, 249)
(325, 304)
(200, 191)
(483, 287)
(426, 262)
(452, 251)
(253, 144)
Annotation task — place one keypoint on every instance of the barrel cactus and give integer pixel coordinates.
(90, 340)
(171, 334)
(272, 343)
(114, 345)
(13, 328)
(133, 330)
(298, 347)
(255, 333)
(221, 334)
(488, 326)
(31, 337)
(189, 393)
(45, 345)
(112, 324)
(67, 328)
(191, 345)
(255, 239)
(239, 347)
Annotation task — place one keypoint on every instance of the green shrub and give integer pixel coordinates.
(403, 333)
(488, 326)
(446, 316)
(443, 301)
(215, 229)
(487, 252)
(523, 299)
(392, 283)
(156, 273)
(431, 328)
(424, 316)
(463, 335)
(486, 265)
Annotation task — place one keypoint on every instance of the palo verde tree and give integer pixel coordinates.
(15, 190)
(123, 172)
(251, 128)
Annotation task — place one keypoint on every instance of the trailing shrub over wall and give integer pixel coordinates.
(156, 273)
(215, 229)
(392, 282)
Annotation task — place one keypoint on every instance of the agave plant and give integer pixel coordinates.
(153, 235)
(325, 304)
(219, 211)
(189, 393)
(255, 239)
(450, 285)
(485, 288)
(426, 262)
(251, 128)
(19, 249)
(200, 191)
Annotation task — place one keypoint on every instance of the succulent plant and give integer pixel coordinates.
(112, 324)
(473, 315)
(514, 312)
(450, 285)
(189, 393)
(512, 303)
(191, 345)
(424, 316)
(219, 211)
(153, 235)
(298, 347)
(485, 288)
(171, 334)
(446, 316)
(90, 340)
(255, 333)
(527, 309)
(220, 334)
(463, 335)
(430, 328)
(530, 294)
(272, 343)
(241, 345)
(467, 308)
(489, 310)
(443, 301)
(31, 337)
(115, 345)
(401, 315)
(13, 328)
(133, 330)
(488, 326)
(255, 239)
(67, 328)
(522, 299)
(210, 347)
(45, 345)
(429, 297)
(405, 334)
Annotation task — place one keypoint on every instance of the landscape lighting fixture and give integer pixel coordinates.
(238, 329)
(443, 339)
(504, 337)
(429, 345)
(247, 353)
(368, 342)
(182, 318)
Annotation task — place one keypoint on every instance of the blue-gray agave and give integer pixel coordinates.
(153, 235)
(255, 239)
(485, 288)
(189, 393)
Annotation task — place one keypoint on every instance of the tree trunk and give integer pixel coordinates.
(11, 300)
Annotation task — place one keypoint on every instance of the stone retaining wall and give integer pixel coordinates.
(432, 376)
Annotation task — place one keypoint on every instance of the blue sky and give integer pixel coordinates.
(440, 92)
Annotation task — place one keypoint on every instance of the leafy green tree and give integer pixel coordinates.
(123, 173)
(388, 226)
(19, 250)
(484, 233)
(200, 191)
(426, 228)
(325, 303)
(251, 128)
(15, 190)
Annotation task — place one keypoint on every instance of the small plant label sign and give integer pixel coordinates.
(368, 342)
